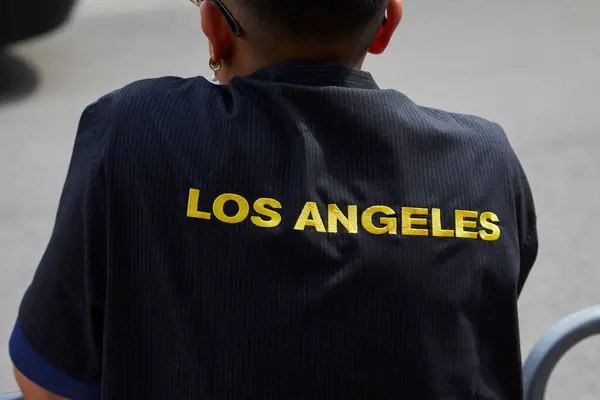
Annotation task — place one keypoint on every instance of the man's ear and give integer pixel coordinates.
(216, 29)
(394, 16)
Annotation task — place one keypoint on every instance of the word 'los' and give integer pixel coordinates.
(376, 220)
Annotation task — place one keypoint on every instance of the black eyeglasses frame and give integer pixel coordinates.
(236, 28)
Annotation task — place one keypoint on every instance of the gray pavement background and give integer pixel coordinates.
(533, 66)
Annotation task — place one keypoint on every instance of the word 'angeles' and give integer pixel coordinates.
(376, 220)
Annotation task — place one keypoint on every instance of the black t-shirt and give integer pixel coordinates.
(296, 234)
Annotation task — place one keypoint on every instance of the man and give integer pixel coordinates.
(294, 233)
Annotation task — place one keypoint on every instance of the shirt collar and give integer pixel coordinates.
(316, 74)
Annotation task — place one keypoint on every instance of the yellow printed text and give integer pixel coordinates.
(266, 212)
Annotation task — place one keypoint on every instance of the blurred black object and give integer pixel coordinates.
(17, 78)
(24, 19)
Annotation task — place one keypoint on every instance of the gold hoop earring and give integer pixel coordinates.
(215, 66)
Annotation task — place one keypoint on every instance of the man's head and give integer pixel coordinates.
(272, 31)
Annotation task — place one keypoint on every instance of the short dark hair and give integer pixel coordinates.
(316, 21)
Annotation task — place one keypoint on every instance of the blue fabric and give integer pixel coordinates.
(38, 370)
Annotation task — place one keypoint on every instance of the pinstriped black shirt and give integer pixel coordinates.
(296, 234)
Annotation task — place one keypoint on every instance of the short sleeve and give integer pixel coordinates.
(527, 220)
(57, 339)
